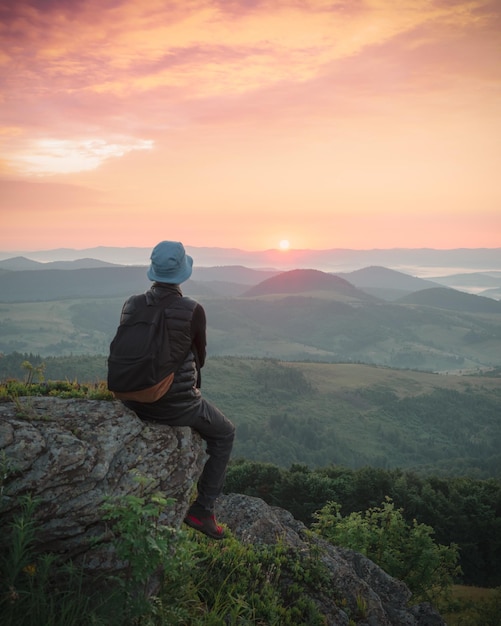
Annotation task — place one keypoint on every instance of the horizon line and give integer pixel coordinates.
(232, 248)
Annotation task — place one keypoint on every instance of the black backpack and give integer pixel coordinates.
(139, 355)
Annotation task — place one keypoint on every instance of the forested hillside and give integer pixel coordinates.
(295, 315)
(462, 511)
(350, 414)
(290, 327)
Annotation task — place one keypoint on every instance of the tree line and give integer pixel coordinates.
(461, 511)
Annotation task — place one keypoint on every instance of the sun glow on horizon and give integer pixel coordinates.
(284, 244)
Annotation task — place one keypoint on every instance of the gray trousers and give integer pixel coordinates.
(214, 428)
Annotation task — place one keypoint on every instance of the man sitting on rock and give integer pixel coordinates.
(181, 402)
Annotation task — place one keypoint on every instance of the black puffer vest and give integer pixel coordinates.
(178, 315)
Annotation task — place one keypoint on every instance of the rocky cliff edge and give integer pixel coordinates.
(72, 454)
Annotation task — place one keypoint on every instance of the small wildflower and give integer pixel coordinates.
(31, 569)
(12, 596)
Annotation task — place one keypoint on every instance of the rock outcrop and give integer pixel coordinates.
(72, 454)
(357, 580)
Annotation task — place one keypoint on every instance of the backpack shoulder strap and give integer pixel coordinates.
(132, 306)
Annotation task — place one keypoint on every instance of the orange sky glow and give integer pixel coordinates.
(244, 123)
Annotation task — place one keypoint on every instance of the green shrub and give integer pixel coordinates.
(405, 551)
(12, 389)
(154, 554)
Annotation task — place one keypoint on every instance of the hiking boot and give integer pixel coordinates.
(204, 521)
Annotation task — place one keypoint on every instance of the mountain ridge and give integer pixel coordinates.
(385, 278)
(303, 282)
(334, 259)
(380, 282)
(62, 280)
(20, 263)
(442, 267)
(296, 315)
(451, 299)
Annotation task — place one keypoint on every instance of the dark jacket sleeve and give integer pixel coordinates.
(199, 334)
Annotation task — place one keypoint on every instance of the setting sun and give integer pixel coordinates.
(284, 244)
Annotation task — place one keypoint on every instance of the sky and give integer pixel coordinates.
(308, 124)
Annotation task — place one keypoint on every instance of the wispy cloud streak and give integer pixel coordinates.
(403, 96)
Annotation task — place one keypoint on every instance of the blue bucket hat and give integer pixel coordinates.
(170, 263)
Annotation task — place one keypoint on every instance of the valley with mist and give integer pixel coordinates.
(365, 367)
(376, 315)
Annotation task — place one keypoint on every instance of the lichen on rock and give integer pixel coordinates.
(71, 455)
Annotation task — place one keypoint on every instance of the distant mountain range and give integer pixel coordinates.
(103, 279)
(22, 263)
(330, 260)
(229, 280)
(373, 315)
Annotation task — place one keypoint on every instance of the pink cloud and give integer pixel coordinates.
(268, 107)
